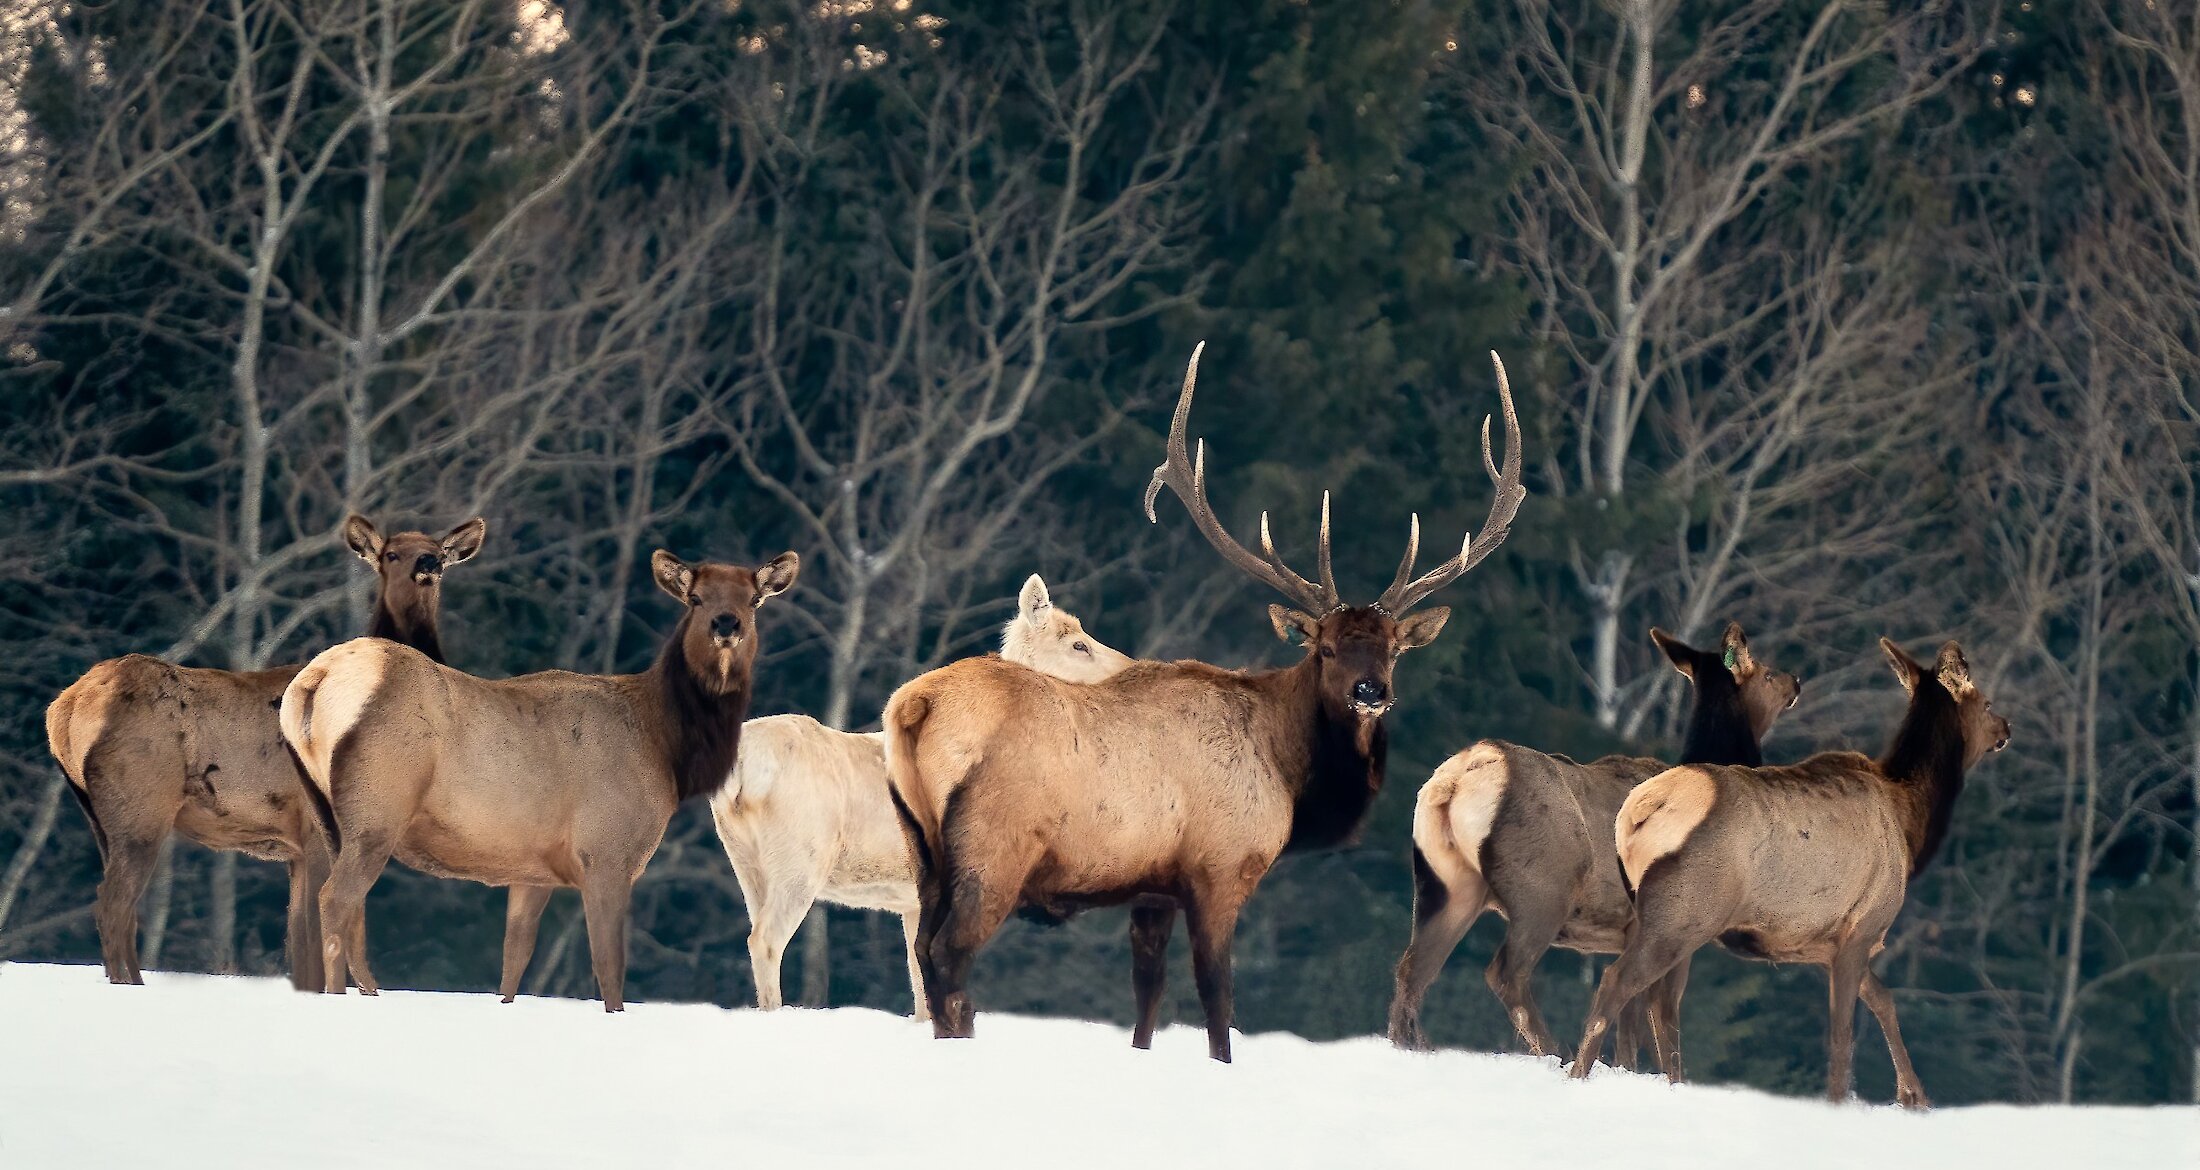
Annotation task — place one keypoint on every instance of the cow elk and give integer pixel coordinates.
(1506, 828)
(536, 782)
(1807, 863)
(150, 747)
(1170, 785)
(808, 813)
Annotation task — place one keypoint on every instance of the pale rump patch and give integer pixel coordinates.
(1478, 788)
(1659, 816)
(74, 721)
(318, 710)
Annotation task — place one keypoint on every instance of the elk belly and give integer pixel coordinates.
(1659, 817)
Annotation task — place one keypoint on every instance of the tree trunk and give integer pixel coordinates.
(34, 843)
(158, 903)
(222, 915)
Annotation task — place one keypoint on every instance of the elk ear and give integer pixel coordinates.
(1905, 667)
(1418, 630)
(1034, 600)
(362, 538)
(1953, 669)
(776, 576)
(1679, 653)
(673, 575)
(464, 541)
(1288, 621)
(1735, 649)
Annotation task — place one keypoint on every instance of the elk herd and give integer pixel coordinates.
(1055, 776)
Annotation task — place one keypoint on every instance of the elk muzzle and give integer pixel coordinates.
(427, 569)
(725, 630)
(1370, 695)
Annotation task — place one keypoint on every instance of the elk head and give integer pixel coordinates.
(1354, 648)
(1983, 731)
(717, 635)
(1764, 692)
(410, 562)
(1052, 642)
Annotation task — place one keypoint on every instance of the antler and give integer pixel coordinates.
(1403, 594)
(1186, 475)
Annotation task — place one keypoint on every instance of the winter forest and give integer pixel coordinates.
(1836, 319)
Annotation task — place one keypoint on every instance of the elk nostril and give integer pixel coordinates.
(1367, 691)
(427, 563)
(725, 625)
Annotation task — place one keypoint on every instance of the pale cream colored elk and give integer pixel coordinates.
(545, 780)
(808, 813)
(1807, 863)
(1173, 784)
(1507, 828)
(150, 747)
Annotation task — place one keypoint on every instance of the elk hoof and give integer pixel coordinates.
(507, 999)
(1912, 1097)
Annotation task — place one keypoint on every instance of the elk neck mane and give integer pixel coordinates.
(701, 728)
(1343, 765)
(416, 627)
(1926, 761)
(1718, 725)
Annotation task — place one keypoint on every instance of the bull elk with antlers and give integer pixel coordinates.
(544, 780)
(150, 747)
(1507, 828)
(1173, 784)
(1807, 863)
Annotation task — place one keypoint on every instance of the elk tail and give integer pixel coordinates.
(60, 740)
(297, 721)
(904, 717)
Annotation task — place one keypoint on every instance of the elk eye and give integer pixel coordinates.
(1329, 651)
(694, 601)
(389, 556)
(1081, 648)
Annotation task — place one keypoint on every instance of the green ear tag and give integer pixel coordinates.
(1730, 658)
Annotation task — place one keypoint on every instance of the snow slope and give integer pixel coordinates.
(195, 1071)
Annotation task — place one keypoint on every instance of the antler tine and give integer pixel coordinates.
(1187, 477)
(1330, 597)
(1405, 563)
(1403, 596)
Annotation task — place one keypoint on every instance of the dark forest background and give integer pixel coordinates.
(1838, 319)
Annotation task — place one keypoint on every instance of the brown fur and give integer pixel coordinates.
(1529, 835)
(545, 780)
(1029, 790)
(152, 748)
(1803, 864)
(807, 814)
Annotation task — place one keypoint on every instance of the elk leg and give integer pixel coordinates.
(1441, 917)
(1213, 923)
(1529, 932)
(1151, 923)
(931, 911)
(923, 1008)
(773, 919)
(1907, 1089)
(344, 910)
(976, 909)
(1631, 1031)
(1646, 958)
(131, 859)
(605, 897)
(522, 921)
(1665, 1019)
(302, 936)
(1844, 982)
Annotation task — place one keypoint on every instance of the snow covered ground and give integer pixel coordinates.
(196, 1071)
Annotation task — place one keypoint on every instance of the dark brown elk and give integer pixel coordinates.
(1169, 785)
(1807, 863)
(1507, 828)
(150, 747)
(545, 780)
